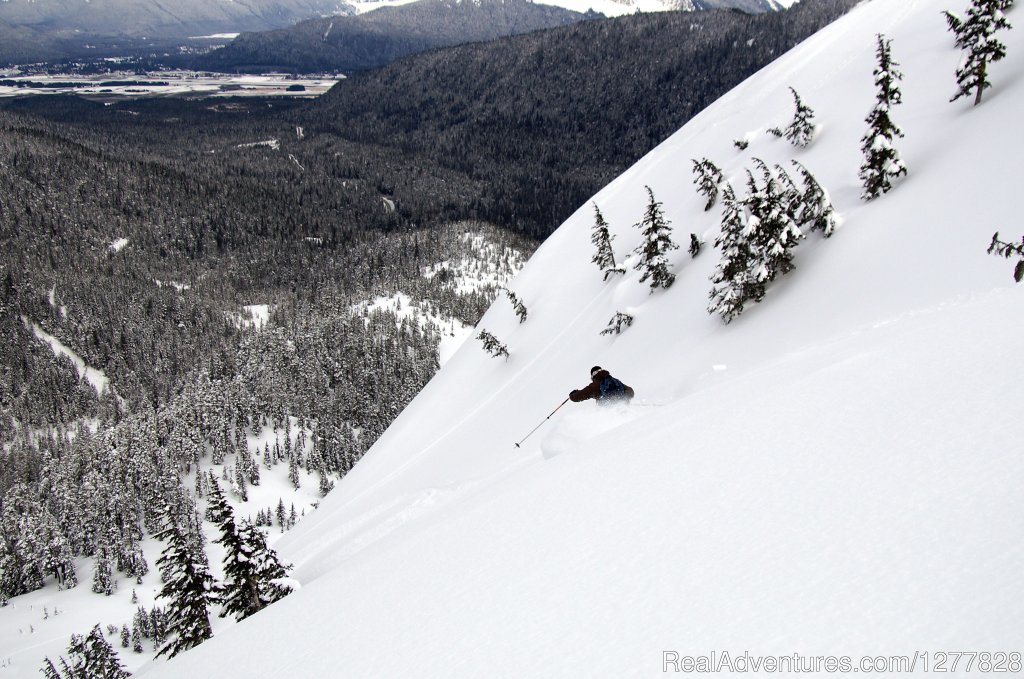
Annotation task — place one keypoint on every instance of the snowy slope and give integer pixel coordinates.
(836, 472)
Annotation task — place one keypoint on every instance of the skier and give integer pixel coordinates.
(603, 387)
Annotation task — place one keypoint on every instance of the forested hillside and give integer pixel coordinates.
(546, 119)
(377, 38)
(141, 253)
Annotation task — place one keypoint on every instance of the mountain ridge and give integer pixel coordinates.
(377, 38)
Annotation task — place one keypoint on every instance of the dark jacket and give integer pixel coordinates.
(593, 390)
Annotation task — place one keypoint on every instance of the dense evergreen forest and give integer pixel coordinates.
(137, 234)
(138, 246)
(356, 43)
(546, 119)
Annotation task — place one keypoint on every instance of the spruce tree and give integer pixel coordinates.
(188, 588)
(708, 180)
(517, 305)
(657, 242)
(267, 569)
(729, 290)
(250, 565)
(815, 211)
(103, 581)
(293, 472)
(281, 514)
(882, 162)
(492, 345)
(773, 231)
(800, 131)
(101, 660)
(241, 483)
(49, 671)
(90, 657)
(975, 35)
(618, 323)
(601, 237)
(136, 640)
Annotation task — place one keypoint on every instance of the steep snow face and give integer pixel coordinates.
(834, 473)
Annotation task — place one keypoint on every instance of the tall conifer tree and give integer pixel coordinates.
(250, 566)
(975, 35)
(800, 131)
(730, 282)
(657, 242)
(882, 162)
(89, 657)
(815, 211)
(601, 237)
(773, 230)
(188, 588)
(708, 178)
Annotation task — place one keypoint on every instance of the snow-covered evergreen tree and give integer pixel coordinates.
(517, 305)
(136, 640)
(492, 345)
(708, 178)
(657, 243)
(90, 657)
(188, 588)
(800, 131)
(975, 35)
(326, 485)
(266, 569)
(815, 211)
(773, 232)
(103, 581)
(729, 290)
(281, 514)
(49, 671)
(250, 566)
(601, 237)
(101, 659)
(618, 323)
(882, 161)
(293, 472)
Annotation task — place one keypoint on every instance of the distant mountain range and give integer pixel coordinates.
(183, 18)
(296, 35)
(612, 8)
(379, 37)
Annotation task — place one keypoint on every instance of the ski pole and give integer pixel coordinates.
(543, 421)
